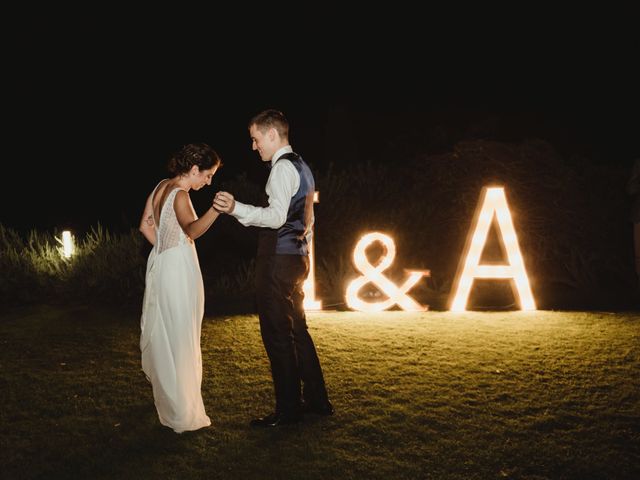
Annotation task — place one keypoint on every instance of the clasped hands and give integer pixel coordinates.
(224, 202)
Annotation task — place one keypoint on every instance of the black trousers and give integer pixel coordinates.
(283, 325)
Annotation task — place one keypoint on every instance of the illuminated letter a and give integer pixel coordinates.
(492, 201)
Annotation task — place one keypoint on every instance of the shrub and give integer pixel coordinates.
(571, 221)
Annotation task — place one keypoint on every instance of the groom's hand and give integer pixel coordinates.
(224, 202)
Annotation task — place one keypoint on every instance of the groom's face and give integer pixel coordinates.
(263, 141)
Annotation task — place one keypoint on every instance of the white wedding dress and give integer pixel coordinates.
(171, 323)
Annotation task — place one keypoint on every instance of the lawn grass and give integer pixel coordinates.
(538, 395)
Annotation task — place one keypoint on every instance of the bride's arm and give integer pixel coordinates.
(147, 225)
(192, 226)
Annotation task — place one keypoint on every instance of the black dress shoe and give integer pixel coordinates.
(276, 420)
(325, 409)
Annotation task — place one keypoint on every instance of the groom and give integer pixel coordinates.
(282, 265)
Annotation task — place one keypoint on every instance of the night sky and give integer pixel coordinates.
(87, 139)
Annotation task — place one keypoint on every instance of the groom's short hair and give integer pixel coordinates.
(271, 119)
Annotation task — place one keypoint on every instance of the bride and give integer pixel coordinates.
(173, 304)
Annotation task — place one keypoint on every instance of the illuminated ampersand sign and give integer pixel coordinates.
(371, 274)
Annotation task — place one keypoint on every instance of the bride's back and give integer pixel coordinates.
(168, 231)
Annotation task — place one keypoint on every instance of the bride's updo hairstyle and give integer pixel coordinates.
(199, 154)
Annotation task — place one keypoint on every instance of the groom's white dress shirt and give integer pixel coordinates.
(282, 185)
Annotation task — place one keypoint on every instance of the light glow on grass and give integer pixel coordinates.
(493, 202)
(456, 395)
(371, 274)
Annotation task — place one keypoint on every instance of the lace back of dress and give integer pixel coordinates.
(169, 232)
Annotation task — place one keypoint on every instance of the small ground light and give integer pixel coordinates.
(67, 244)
